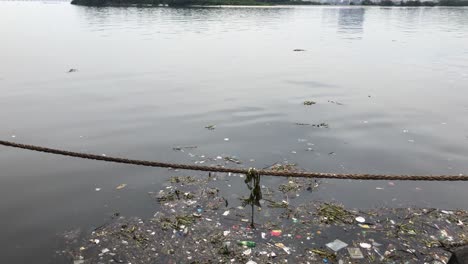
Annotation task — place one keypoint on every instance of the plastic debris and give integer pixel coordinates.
(98, 189)
(178, 229)
(249, 244)
(226, 139)
(121, 186)
(275, 233)
(355, 253)
(309, 102)
(360, 219)
(365, 245)
(336, 245)
(104, 251)
(251, 262)
(283, 247)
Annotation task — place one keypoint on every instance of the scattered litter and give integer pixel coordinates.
(309, 103)
(335, 102)
(379, 188)
(104, 251)
(121, 186)
(285, 248)
(275, 233)
(251, 262)
(360, 219)
(13, 136)
(355, 253)
(211, 127)
(365, 245)
(98, 189)
(226, 139)
(194, 221)
(336, 245)
(249, 244)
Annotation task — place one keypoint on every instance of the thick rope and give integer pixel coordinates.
(317, 175)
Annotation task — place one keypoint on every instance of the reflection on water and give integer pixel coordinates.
(389, 82)
(350, 22)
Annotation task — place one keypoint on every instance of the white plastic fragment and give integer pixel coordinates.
(251, 262)
(355, 253)
(365, 245)
(360, 219)
(226, 233)
(336, 245)
(247, 252)
(226, 213)
(104, 251)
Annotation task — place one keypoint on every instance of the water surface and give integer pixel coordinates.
(150, 79)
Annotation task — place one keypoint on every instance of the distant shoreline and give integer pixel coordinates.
(206, 3)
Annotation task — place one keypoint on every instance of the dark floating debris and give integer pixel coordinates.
(309, 103)
(299, 50)
(72, 70)
(320, 125)
(334, 102)
(194, 223)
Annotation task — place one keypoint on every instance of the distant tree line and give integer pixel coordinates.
(402, 3)
(417, 3)
(257, 2)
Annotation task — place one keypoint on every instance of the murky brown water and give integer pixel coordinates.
(150, 79)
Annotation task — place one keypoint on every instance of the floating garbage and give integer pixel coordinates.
(121, 186)
(275, 233)
(249, 244)
(285, 248)
(193, 223)
(360, 219)
(336, 245)
(355, 253)
(365, 245)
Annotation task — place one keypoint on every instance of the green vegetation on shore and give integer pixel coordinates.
(256, 2)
